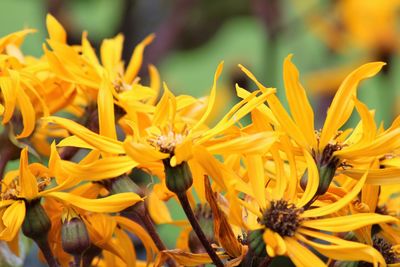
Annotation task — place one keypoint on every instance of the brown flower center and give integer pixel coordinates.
(282, 218)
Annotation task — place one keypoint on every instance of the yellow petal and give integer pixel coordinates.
(137, 59)
(141, 233)
(28, 113)
(105, 104)
(312, 181)
(255, 168)
(142, 152)
(111, 52)
(74, 141)
(12, 220)
(102, 143)
(348, 223)
(184, 258)
(211, 100)
(383, 144)
(56, 31)
(104, 168)
(301, 256)
(258, 143)
(88, 51)
(8, 89)
(183, 152)
(340, 249)
(155, 82)
(368, 122)
(342, 202)
(124, 244)
(27, 181)
(342, 104)
(113, 203)
(300, 107)
(387, 176)
(158, 209)
(275, 243)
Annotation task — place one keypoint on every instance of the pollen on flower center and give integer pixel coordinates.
(13, 189)
(282, 218)
(166, 143)
(386, 249)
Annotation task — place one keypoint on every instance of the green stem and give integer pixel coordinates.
(197, 229)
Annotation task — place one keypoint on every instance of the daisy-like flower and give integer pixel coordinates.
(172, 133)
(330, 147)
(285, 226)
(30, 183)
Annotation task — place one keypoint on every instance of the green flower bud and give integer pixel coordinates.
(36, 224)
(123, 184)
(256, 243)
(74, 236)
(179, 178)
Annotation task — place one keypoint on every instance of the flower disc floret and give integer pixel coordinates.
(282, 218)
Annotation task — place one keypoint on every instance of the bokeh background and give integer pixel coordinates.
(329, 38)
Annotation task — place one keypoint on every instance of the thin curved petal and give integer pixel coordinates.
(300, 107)
(27, 181)
(105, 104)
(348, 223)
(312, 181)
(341, 249)
(342, 202)
(141, 233)
(343, 104)
(113, 203)
(102, 143)
(137, 58)
(301, 256)
(211, 99)
(12, 220)
(56, 31)
(104, 168)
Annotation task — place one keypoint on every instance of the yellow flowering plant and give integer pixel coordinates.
(83, 126)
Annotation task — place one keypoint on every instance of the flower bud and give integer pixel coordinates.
(123, 184)
(256, 243)
(179, 178)
(36, 224)
(74, 236)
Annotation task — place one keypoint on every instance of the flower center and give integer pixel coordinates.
(282, 218)
(13, 189)
(168, 140)
(386, 250)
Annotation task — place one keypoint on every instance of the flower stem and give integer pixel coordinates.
(197, 229)
(48, 255)
(77, 260)
(266, 261)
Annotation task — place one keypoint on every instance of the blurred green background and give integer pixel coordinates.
(193, 36)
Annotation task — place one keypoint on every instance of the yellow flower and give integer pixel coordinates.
(369, 24)
(330, 147)
(30, 182)
(165, 133)
(290, 228)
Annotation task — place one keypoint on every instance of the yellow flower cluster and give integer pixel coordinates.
(275, 187)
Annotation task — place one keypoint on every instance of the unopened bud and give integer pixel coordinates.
(36, 224)
(74, 236)
(123, 184)
(178, 178)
